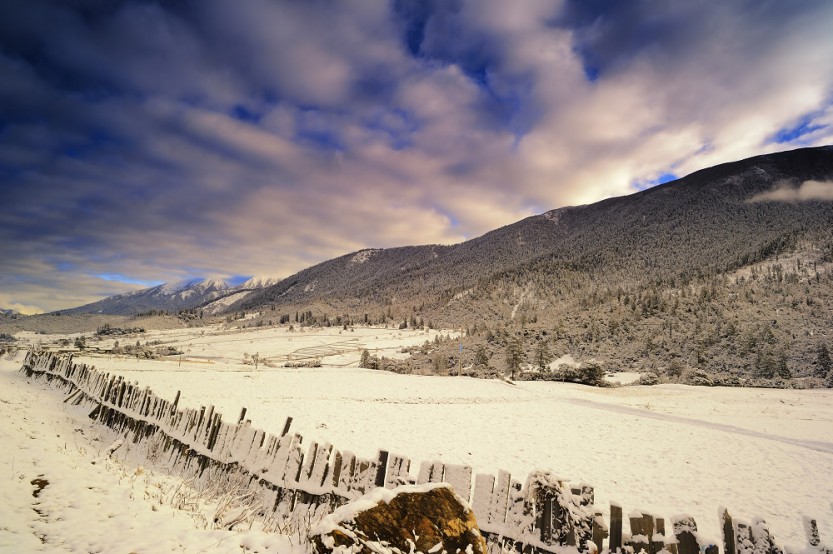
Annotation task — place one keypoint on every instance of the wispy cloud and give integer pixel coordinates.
(166, 141)
(807, 191)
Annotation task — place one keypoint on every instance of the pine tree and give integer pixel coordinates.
(783, 371)
(481, 357)
(514, 355)
(543, 357)
(823, 363)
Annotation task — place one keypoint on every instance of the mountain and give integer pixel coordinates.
(692, 273)
(168, 297)
(702, 223)
(5, 312)
(238, 293)
(258, 282)
(207, 295)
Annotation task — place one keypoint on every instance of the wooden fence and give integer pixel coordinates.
(294, 484)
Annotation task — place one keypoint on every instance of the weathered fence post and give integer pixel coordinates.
(811, 530)
(728, 530)
(481, 503)
(398, 468)
(600, 531)
(615, 527)
(381, 468)
(459, 477)
(684, 529)
(642, 529)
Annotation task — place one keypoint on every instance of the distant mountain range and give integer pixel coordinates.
(6, 312)
(205, 294)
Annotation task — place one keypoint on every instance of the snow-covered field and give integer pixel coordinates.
(61, 492)
(666, 449)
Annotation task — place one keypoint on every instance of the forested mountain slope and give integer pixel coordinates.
(691, 274)
(705, 223)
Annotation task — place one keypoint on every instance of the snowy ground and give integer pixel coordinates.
(221, 349)
(62, 493)
(666, 450)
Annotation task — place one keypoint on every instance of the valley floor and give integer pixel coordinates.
(667, 449)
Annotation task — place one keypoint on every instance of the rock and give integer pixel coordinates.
(427, 518)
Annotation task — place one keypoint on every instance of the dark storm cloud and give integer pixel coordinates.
(610, 35)
(164, 140)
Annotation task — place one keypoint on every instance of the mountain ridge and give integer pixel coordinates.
(574, 234)
(169, 297)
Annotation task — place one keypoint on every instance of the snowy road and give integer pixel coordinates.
(820, 446)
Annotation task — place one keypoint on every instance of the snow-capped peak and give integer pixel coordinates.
(259, 282)
(219, 284)
(189, 284)
(178, 286)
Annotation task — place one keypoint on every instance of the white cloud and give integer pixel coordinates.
(807, 191)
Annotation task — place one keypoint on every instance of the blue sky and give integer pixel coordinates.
(144, 142)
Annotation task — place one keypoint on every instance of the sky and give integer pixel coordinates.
(147, 142)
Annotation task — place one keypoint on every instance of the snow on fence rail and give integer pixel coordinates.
(544, 515)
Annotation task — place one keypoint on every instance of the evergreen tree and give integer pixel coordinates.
(514, 355)
(481, 357)
(823, 363)
(543, 357)
(783, 371)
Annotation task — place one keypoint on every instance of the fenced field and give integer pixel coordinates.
(295, 480)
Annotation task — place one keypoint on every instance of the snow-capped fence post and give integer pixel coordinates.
(684, 529)
(600, 530)
(459, 477)
(500, 499)
(642, 529)
(430, 472)
(563, 515)
(811, 530)
(398, 472)
(586, 499)
(484, 486)
(659, 533)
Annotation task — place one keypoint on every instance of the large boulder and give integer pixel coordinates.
(408, 519)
